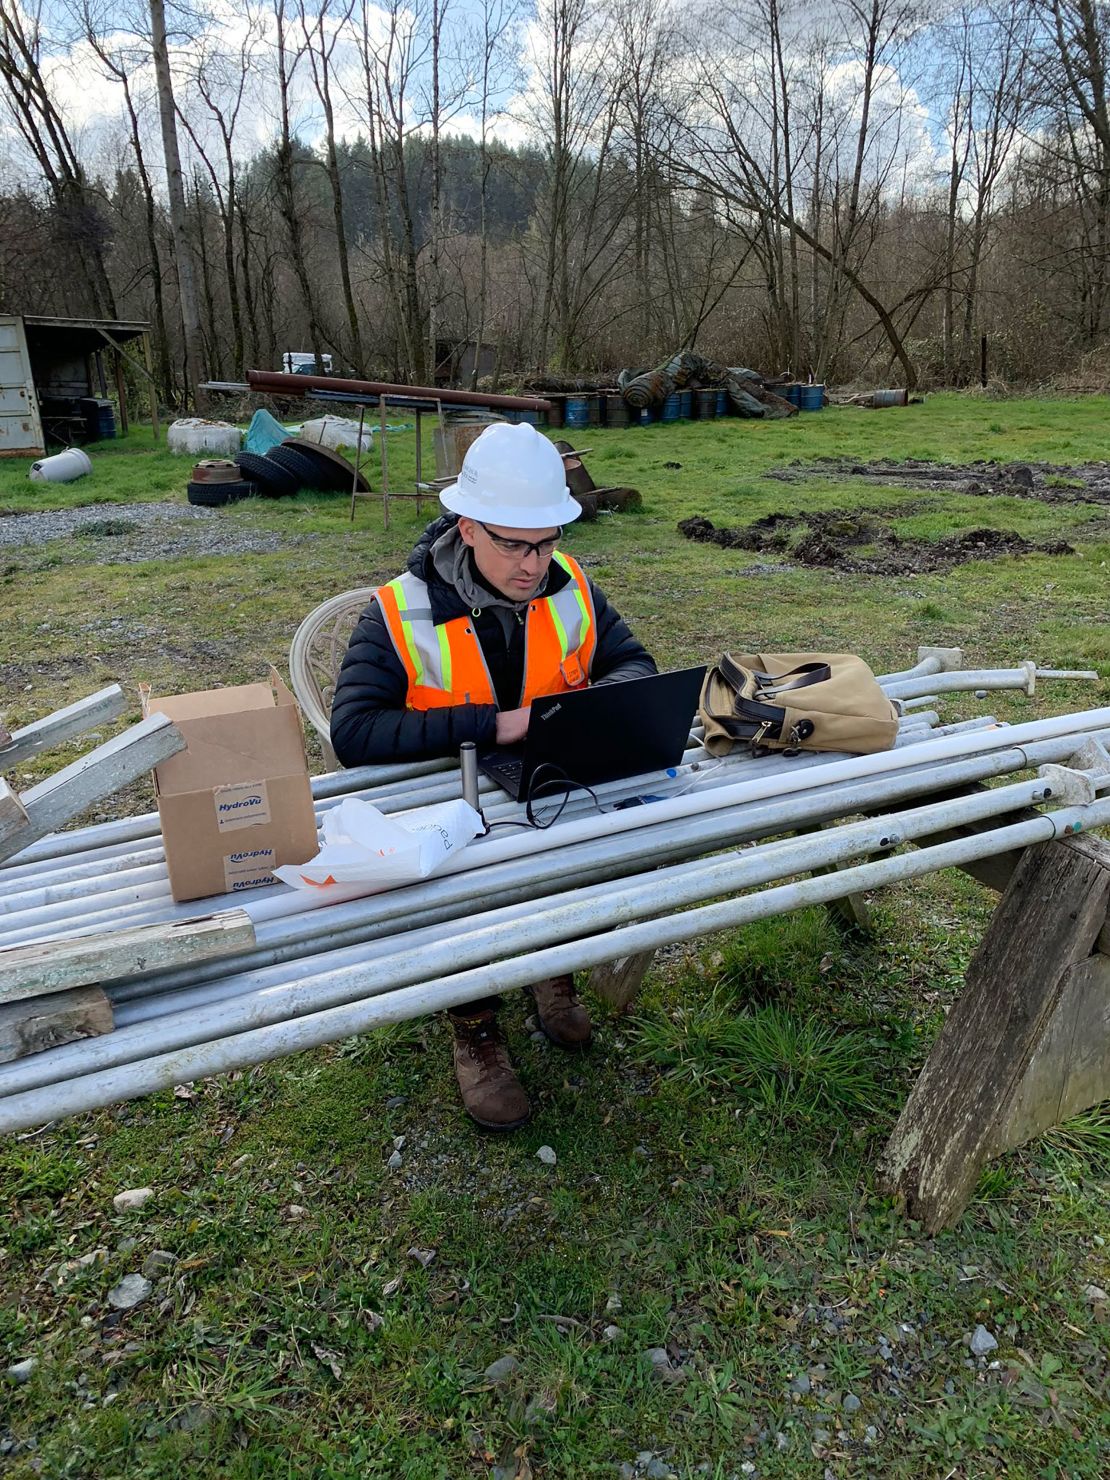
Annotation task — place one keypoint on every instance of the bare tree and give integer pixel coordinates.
(123, 62)
(581, 83)
(290, 201)
(220, 80)
(40, 123)
(175, 189)
(394, 47)
(495, 69)
(1074, 92)
(322, 34)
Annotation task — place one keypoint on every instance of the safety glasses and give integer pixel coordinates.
(520, 548)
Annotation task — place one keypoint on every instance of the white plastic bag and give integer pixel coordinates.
(363, 846)
(336, 432)
(194, 434)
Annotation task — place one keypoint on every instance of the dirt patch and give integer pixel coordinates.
(1048, 483)
(858, 540)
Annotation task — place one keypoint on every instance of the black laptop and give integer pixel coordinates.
(604, 733)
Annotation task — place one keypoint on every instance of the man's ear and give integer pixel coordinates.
(466, 530)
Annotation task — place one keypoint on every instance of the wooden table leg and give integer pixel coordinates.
(618, 982)
(358, 458)
(1008, 1061)
(850, 913)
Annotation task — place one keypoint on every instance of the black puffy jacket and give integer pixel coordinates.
(369, 722)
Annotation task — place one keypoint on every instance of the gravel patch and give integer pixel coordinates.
(130, 533)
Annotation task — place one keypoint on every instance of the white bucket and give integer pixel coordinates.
(63, 467)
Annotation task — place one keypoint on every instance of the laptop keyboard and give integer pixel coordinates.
(511, 770)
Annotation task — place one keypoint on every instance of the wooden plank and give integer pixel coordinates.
(59, 965)
(851, 912)
(121, 391)
(47, 1022)
(75, 719)
(994, 872)
(1070, 1068)
(13, 815)
(1045, 924)
(105, 770)
(618, 982)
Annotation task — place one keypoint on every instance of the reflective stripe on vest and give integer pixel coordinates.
(445, 664)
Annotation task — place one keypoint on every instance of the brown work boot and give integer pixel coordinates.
(562, 1015)
(491, 1093)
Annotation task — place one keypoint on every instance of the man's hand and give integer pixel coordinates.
(512, 725)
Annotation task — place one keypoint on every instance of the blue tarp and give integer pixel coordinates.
(264, 432)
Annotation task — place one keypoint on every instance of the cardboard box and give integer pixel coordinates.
(237, 801)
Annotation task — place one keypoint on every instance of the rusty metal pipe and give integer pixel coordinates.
(274, 380)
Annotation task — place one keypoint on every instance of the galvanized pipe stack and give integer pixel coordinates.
(316, 974)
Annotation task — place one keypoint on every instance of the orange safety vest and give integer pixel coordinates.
(445, 663)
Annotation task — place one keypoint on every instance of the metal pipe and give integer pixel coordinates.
(122, 832)
(267, 904)
(139, 902)
(404, 958)
(133, 829)
(316, 1028)
(975, 680)
(440, 899)
(923, 666)
(76, 881)
(111, 841)
(975, 768)
(134, 896)
(296, 385)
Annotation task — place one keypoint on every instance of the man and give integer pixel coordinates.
(488, 617)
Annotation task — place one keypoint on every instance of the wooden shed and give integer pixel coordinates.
(54, 386)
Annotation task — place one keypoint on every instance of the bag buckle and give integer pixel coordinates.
(799, 732)
(573, 672)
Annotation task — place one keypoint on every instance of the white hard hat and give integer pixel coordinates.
(512, 476)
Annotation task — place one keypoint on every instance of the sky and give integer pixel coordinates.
(93, 104)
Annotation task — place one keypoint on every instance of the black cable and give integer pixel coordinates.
(560, 779)
(536, 786)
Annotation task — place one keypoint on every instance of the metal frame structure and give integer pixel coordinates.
(593, 890)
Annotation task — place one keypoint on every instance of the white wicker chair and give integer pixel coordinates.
(315, 656)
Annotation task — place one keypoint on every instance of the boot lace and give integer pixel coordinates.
(485, 1044)
(560, 992)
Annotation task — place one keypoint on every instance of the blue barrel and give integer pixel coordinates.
(577, 412)
(644, 416)
(722, 403)
(791, 392)
(813, 397)
(671, 408)
(686, 404)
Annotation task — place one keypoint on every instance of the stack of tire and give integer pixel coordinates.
(284, 470)
(217, 481)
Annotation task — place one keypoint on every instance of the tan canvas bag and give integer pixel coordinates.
(796, 701)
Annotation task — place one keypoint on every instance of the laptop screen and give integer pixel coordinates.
(610, 731)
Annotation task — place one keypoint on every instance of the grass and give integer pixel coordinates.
(714, 1192)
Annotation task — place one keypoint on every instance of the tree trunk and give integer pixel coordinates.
(175, 188)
